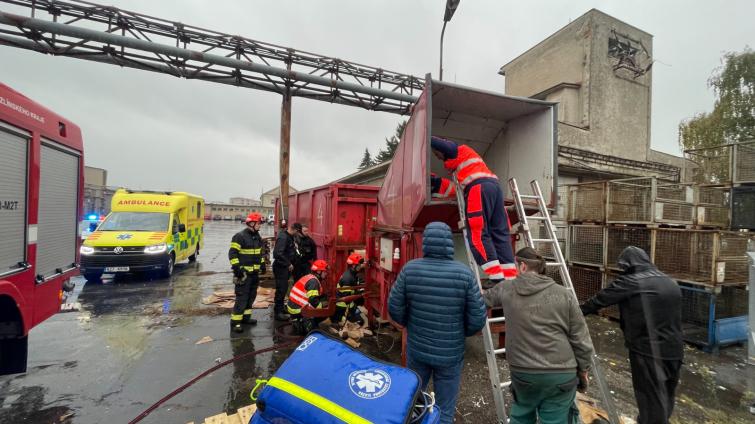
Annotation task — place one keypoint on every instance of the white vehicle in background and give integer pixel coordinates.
(271, 219)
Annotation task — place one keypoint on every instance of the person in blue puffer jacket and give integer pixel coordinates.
(439, 302)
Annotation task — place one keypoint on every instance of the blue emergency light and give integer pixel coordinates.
(92, 217)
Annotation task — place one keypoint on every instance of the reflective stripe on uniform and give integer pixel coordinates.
(311, 293)
(235, 245)
(250, 251)
(234, 261)
(298, 296)
(467, 162)
(317, 401)
(293, 310)
(509, 271)
(252, 267)
(247, 311)
(475, 176)
(237, 317)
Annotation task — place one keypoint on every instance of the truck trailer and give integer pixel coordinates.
(517, 138)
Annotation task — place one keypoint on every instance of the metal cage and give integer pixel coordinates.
(619, 238)
(711, 318)
(731, 256)
(586, 202)
(685, 254)
(710, 165)
(630, 201)
(712, 205)
(586, 244)
(586, 281)
(612, 311)
(744, 165)
(674, 203)
(743, 208)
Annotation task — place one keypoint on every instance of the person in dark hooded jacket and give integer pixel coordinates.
(650, 317)
(439, 302)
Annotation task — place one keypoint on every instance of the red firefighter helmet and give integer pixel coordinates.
(254, 217)
(319, 265)
(354, 259)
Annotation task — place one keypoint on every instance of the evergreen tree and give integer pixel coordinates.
(391, 144)
(366, 160)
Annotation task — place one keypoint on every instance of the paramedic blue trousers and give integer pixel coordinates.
(445, 385)
(489, 229)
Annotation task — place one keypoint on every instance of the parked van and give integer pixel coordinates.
(146, 231)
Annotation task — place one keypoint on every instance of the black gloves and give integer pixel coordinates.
(237, 271)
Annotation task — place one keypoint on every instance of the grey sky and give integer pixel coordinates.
(153, 131)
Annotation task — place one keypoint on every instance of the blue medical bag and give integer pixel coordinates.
(326, 381)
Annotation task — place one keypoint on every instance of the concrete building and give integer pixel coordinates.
(268, 198)
(599, 69)
(230, 211)
(244, 201)
(97, 194)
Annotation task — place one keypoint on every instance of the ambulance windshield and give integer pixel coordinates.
(136, 221)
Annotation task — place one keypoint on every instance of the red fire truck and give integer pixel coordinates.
(41, 181)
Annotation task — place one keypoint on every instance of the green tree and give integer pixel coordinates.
(391, 144)
(366, 160)
(733, 117)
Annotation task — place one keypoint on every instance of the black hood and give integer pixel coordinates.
(633, 259)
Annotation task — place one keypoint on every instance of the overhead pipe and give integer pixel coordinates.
(118, 40)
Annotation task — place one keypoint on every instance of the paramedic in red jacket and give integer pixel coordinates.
(487, 222)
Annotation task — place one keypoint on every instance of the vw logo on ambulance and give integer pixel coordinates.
(369, 384)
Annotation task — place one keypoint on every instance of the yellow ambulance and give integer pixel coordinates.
(145, 231)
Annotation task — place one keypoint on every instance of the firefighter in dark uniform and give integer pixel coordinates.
(307, 293)
(248, 262)
(284, 256)
(350, 278)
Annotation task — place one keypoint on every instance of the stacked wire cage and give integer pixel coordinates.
(647, 200)
(585, 237)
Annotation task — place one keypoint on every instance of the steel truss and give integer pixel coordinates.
(106, 34)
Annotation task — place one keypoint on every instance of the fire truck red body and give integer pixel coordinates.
(41, 181)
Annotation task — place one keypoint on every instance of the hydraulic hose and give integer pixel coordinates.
(211, 370)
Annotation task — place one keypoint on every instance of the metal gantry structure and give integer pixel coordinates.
(105, 34)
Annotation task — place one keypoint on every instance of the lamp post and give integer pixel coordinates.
(451, 6)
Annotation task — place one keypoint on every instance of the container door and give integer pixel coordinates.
(13, 173)
(58, 209)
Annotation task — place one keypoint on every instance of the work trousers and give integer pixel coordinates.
(654, 382)
(489, 229)
(246, 292)
(445, 384)
(547, 396)
(282, 276)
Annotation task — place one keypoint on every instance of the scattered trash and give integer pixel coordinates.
(85, 317)
(218, 360)
(203, 340)
(70, 307)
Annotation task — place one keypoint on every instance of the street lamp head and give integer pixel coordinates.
(451, 6)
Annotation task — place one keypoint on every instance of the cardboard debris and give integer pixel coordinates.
(590, 412)
(203, 340)
(351, 332)
(225, 298)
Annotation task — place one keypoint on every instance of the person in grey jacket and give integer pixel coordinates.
(438, 300)
(548, 346)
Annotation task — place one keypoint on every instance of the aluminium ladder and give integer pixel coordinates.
(560, 262)
(490, 351)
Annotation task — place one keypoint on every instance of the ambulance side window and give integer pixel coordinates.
(175, 224)
(199, 210)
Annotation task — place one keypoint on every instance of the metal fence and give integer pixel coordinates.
(619, 238)
(586, 244)
(586, 202)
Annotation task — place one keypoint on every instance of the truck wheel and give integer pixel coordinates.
(167, 272)
(93, 277)
(193, 258)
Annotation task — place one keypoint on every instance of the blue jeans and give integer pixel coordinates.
(445, 382)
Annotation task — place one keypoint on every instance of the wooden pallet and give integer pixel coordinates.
(242, 416)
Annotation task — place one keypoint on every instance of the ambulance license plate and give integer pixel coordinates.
(116, 269)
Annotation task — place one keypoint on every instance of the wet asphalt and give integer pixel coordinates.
(134, 341)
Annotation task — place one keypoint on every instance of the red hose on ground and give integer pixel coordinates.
(200, 376)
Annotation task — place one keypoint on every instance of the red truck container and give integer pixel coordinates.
(339, 217)
(41, 181)
(515, 136)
